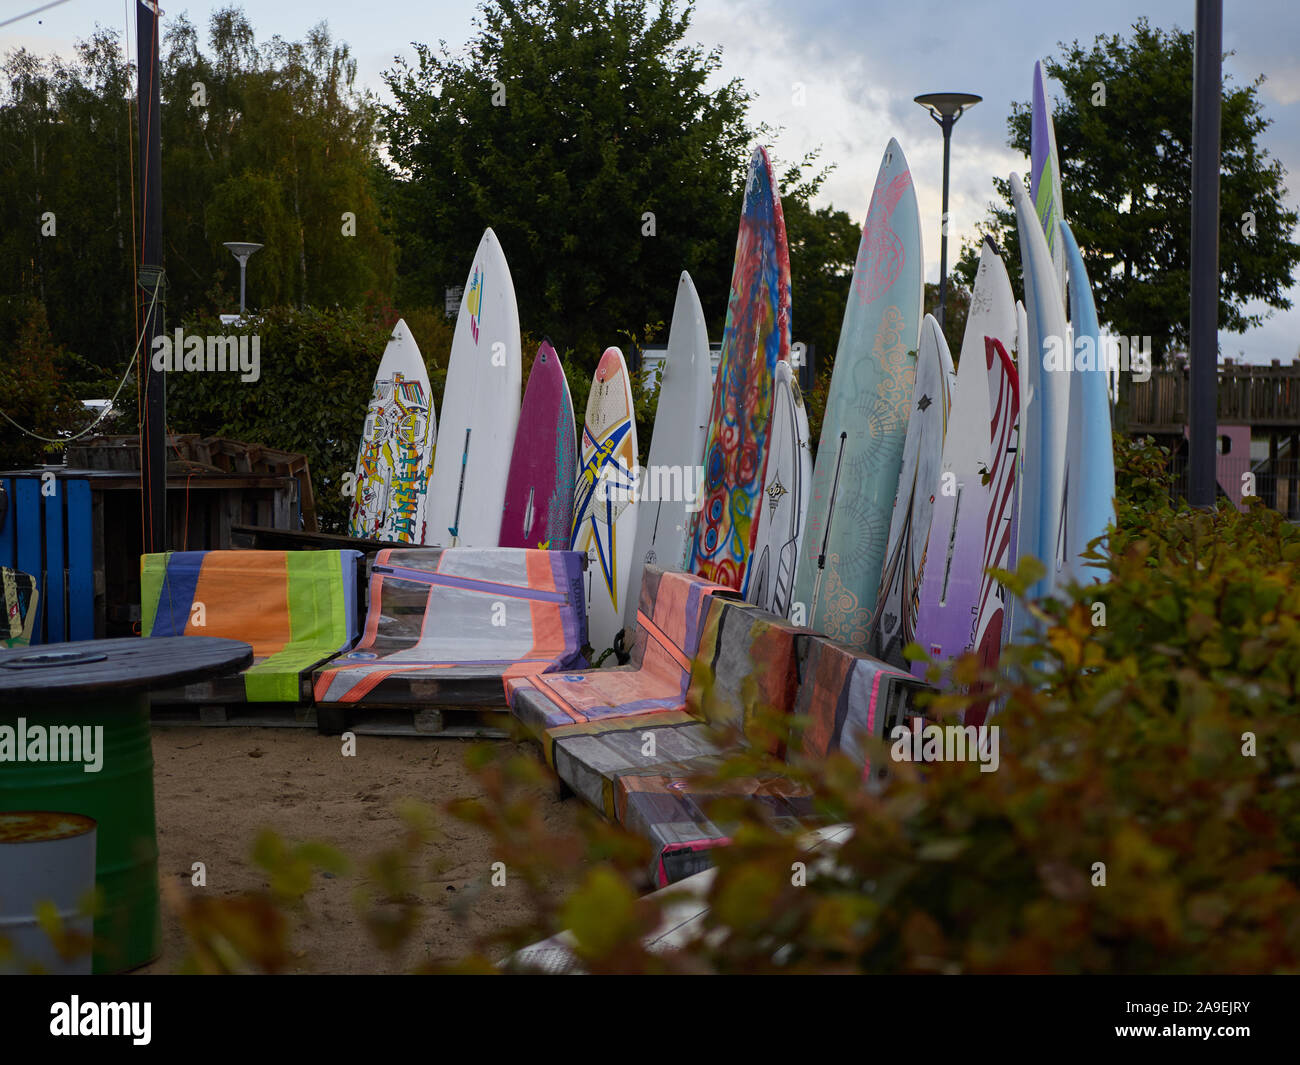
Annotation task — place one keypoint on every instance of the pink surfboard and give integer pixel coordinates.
(538, 511)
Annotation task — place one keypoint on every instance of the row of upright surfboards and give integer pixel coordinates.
(926, 476)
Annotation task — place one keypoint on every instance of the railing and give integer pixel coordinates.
(1258, 396)
(1277, 483)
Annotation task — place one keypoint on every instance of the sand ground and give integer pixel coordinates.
(217, 787)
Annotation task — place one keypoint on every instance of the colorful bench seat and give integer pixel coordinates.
(632, 740)
(671, 810)
(637, 742)
(747, 659)
(846, 696)
(296, 608)
(671, 614)
(446, 626)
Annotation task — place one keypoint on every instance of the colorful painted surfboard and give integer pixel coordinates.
(677, 447)
(899, 598)
(948, 617)
(785, 498)
(1091, 499)
(865, 425)
(756, 338)
(480, 408)
(539, 493)
(1045, 176)
(1044, 399)
(396, 449)
(604, 512)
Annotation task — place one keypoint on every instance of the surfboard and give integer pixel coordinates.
(480, 408)
(899, 598)
(993, 615)
(604, 512)
(685, 394)
(864, 427)
(1045, 176)
(538, 510)
(785, 498)
(755, 339)
(396, 449)
(1092, 458)
(948, 616)
(1044, 399)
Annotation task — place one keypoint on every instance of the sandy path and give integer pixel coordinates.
(216, 787)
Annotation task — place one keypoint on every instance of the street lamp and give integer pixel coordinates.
(244, 251)
(945, 108)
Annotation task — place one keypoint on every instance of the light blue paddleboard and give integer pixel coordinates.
(1044, 399)
(1091, 504)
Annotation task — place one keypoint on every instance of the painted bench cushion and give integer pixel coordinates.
(748, 659)
(446, 626)
(673, 811)
(846, 696)
(591, 756)
(296, 609)
(670, 613)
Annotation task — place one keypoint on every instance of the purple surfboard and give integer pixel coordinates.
(538, 510)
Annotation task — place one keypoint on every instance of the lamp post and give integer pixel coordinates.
(1203, 341)
(945, 108)
(243, 252)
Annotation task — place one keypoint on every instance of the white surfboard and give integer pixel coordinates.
(952, 599)
(396, 449)
(784, 502)
(677, 447)
(480, 408)
(899, 598)
(604, 512)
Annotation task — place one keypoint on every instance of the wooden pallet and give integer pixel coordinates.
(256, 715)
(464, 723)
(443, 724)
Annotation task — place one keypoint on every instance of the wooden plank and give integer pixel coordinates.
(81, 560)
(282, 504)
(8, 535)
(98, 568)
(290, 540)
(30, 546)
(56, 592)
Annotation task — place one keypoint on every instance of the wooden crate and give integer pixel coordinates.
(80, 533)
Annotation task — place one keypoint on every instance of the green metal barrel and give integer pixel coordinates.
(89, 698)
(118, 795)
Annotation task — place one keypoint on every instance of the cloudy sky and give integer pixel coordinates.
(860, 63)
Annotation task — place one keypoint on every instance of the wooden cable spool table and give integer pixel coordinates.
(74, 739)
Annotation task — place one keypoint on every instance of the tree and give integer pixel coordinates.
(1124, 131)
(586, 136)
(33, 381)
(65, 194)
(956, 309)
(271, 143)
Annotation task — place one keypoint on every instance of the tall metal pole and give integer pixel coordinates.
(945, 108)
(948, 121)
(153, 436)
(1203, 348)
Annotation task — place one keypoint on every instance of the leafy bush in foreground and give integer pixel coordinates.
(1143, 818)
